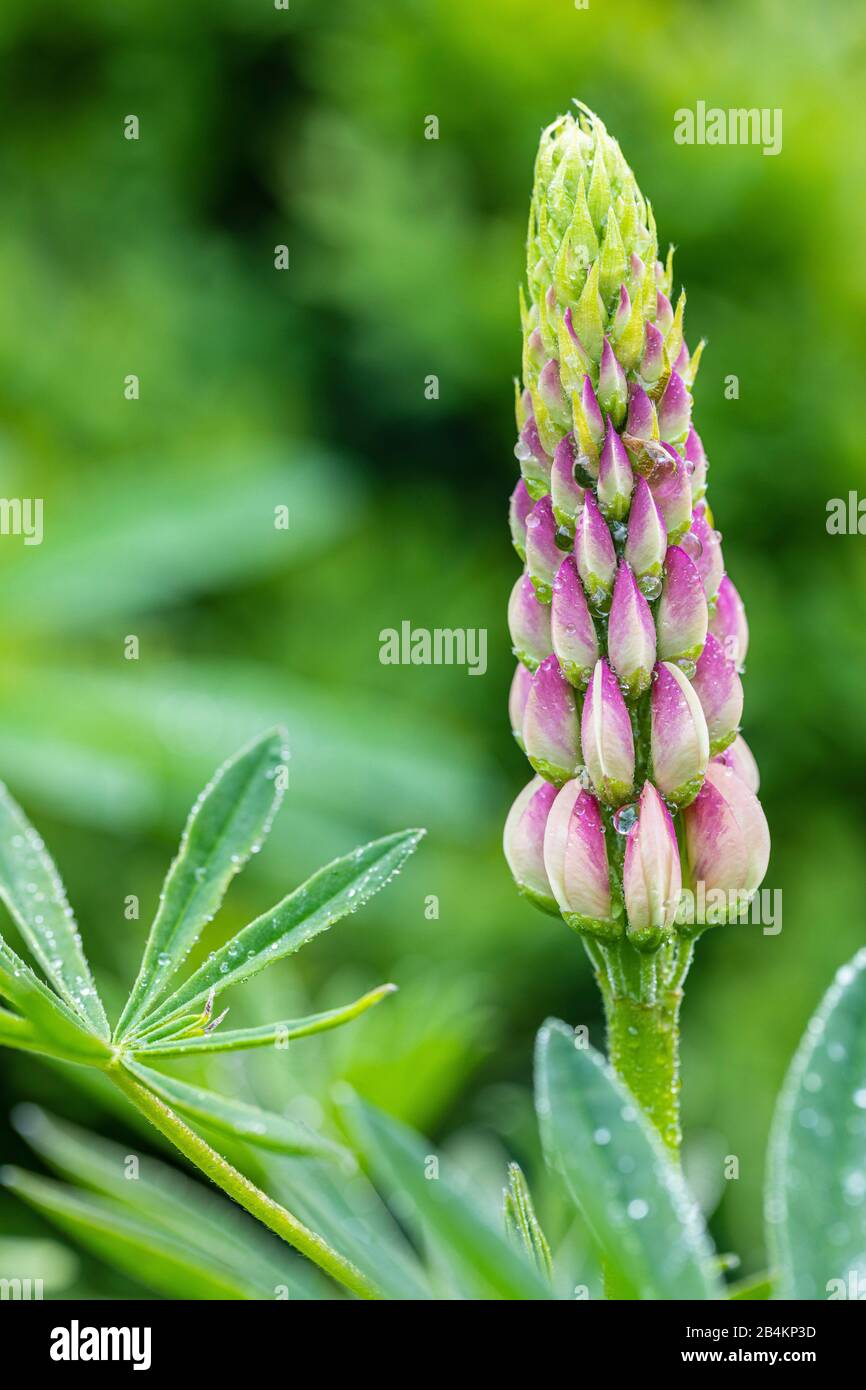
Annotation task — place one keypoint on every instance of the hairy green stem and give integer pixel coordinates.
(642, 997)
(238, 1187)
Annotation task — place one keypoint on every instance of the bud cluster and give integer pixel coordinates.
(629, 635)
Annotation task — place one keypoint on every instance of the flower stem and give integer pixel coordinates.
(642, 1012)
(238, 1187)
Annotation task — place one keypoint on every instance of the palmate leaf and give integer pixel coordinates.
(226, 825)
(482, 1256)
(816, 1186)
(634, 1201)
(336, 890)
(241, 1039)
(63, 1032)
(156, 1259)
(164, 1198)
(32, 890)
(235, 1118)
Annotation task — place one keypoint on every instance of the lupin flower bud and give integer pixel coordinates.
(631, 634)
(543, 555)
(651, 875)
(550, 724)
(720, 692)
(612, 386)
(529, 624)
(709, 562)
(726, 835)
(523, 842)
(679, 742)
(521, 682)
(729, 623)
(572, 630)
(681, 618)
(596, 557)
(608, 450)
(696, 457)
(615, 478)
(675, 411)
(606, 738)
(576, 863)
(566, 494)
(672, 491)
(646, 543)
(519, 508)
(741, 760)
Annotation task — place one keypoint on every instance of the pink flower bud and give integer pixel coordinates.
(631, 636)
(679, 742)
(729, 624)
(529, 624)
(615, 478)
(741, 760)
(550, 724)
(697, 458)
(709, 562)
(606, 738)
(720, 692)
(675, 410)
(575, 858)
(517, 697)
(612, 386)
(565, 492)
(596, 557)
(523, 842)
(681, 619)
(726, 835)
(672, 491)
(646, 542)
(518, 510)
(543, 555)
(651, 871)
(571, 626)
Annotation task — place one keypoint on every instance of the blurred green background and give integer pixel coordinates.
(260, 388)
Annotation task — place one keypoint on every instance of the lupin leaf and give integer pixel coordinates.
(816, 1187)
(522, 1223)
(336, 890)
(65, 1033)
(32, 890)
(261, 1128)
(158, 1260)
(634, 1201)
(268, 1035)
(483, 1256)
(226, 825)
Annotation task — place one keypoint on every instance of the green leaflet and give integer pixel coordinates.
(269, 1034)
(634, 1201)
(336, 890)
(162, 1262)
(160, 1196)
(235, 1118)
(444, 1208)
(32, 890)
(64, 1032)
(816, 1184)
(760, 1286)
(226, 825)
(522, 1224)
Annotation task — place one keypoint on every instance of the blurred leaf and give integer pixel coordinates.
(261, 1128)
(160, 1261)
(239, 1039)
(226, 825)
(31, 888)
(634, 1201)
(46, 1260)
(336, 890)
(816, 1184)
(161, 1197)
(152, 538)
(444, 1208)
(759, 1287)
